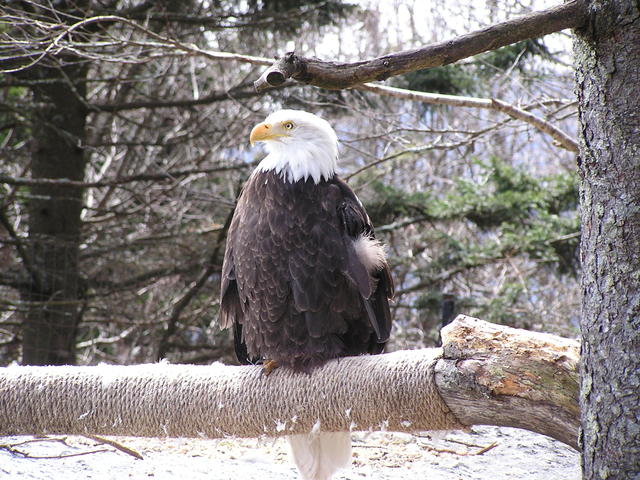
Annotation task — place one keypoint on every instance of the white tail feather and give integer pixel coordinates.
(319, 455)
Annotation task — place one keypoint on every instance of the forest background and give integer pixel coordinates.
(121, 157)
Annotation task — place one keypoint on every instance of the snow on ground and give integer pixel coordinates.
(517, 454)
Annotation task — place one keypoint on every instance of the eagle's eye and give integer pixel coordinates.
(288, 125)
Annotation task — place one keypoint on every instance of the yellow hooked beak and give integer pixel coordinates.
(266, 131)
(260, 133)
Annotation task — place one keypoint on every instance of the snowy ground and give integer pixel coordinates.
(377, 456)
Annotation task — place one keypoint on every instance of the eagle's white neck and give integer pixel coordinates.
(310, 153)
(301, 164)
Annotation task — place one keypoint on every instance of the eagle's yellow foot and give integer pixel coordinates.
(269, 366)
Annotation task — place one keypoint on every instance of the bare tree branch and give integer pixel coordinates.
(232, 94)
(142, 177)
(337, 76)
(209, 268)
(107, 287)
(333, 75)
(491, 374)
(57, 45)
(558, 135)
(19, 245)
(561, 138)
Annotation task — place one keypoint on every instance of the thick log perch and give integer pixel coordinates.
(497, 369)
(335, 75)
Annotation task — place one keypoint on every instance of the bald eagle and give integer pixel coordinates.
(304, 280)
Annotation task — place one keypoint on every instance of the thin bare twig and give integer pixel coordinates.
(57, 44)
(562, 139)
(12, 448)
(141, 177)
(116, 445)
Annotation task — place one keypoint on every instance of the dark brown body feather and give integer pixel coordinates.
(293, 286)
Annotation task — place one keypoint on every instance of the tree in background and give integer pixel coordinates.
(50, 281)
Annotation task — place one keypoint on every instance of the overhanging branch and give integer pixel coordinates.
(336, 76)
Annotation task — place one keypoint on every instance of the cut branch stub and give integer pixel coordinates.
(496, 375)
(285, 67)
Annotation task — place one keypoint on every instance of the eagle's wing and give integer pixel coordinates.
(229, 300)
(230, 307)
(376, 287)
(296, 284)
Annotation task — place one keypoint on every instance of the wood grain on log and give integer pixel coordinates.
(496, 375)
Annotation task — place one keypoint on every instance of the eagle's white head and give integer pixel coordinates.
(300, 145)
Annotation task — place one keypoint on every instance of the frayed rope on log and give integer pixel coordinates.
(395, 392)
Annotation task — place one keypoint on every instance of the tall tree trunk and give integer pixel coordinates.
(608, 87)
(54, 293)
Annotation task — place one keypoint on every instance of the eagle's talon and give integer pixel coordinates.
(269, 366)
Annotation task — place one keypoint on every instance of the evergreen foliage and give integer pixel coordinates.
(287, 14)
(513, 211)
(468, 78)
(506, 212)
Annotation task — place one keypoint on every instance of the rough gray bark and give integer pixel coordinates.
(608, 87)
